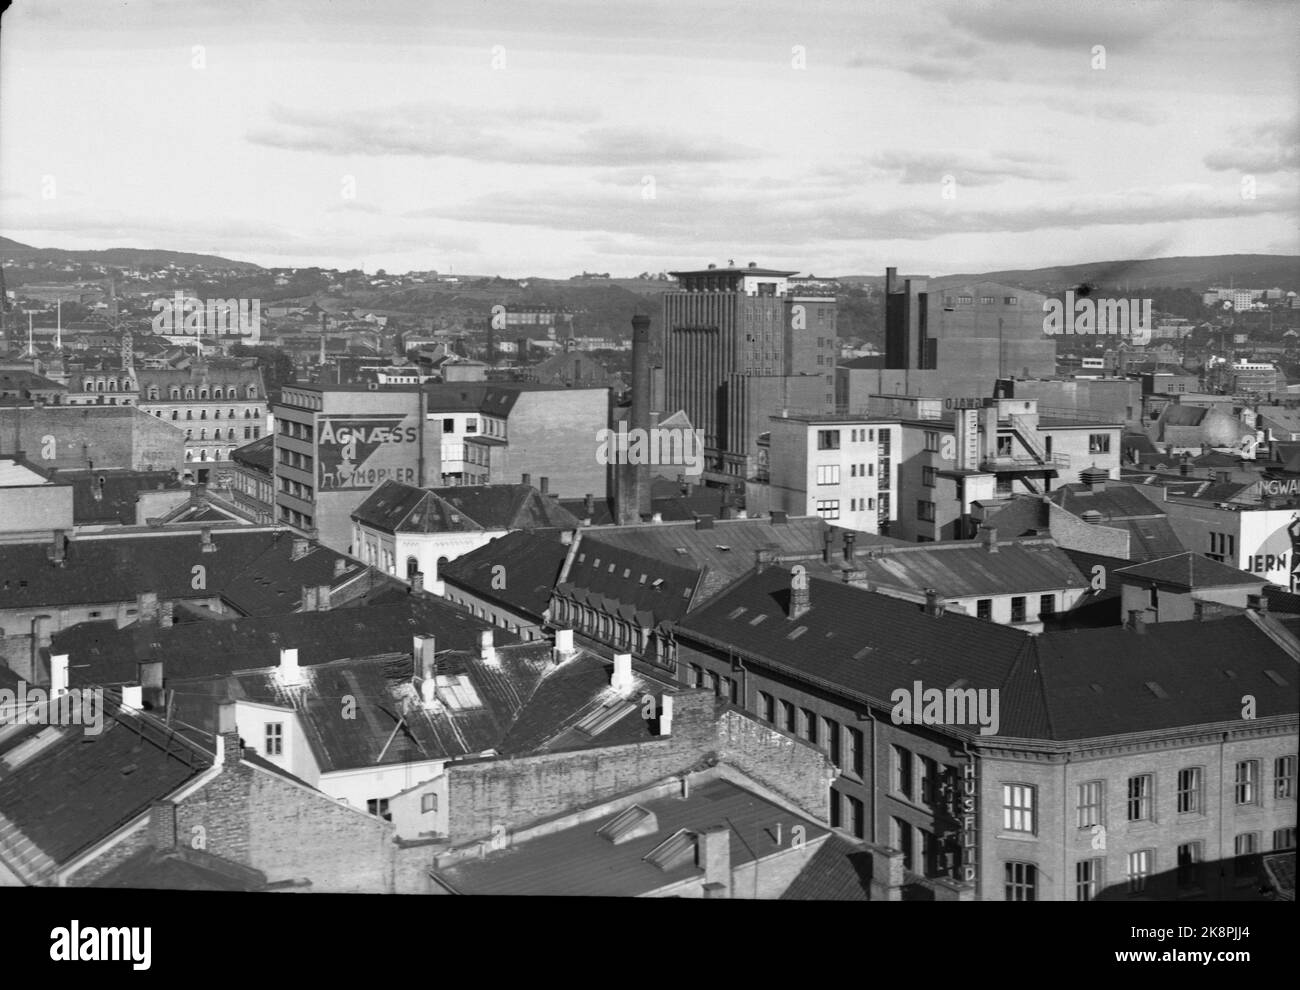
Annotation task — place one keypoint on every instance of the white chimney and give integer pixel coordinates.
(58, 675)
(290, 673)
(563, 645)
(486, 651)
(666, 715)
(622, 679)
(423, 649)
(133, 697)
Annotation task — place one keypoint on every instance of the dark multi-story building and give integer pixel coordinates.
(739, 343)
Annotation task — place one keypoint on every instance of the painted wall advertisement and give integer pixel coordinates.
(1270, 545)
(359, 452)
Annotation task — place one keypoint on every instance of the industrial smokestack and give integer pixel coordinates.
(634, 489)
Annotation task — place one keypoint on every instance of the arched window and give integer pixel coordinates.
(112, 384)
(90, 385)
(203, 434)
(248, 414)
(175, 392)
(189, 434)
(216, 393)
(230, 434)
(175, 413)
(203, 455)
(230, 414)
(412, 565)
(153, 393)
(252, 391)
(189, 455)
(99, 385)
(189, 413)
(203, 393)
(189, 393)
(216, 413)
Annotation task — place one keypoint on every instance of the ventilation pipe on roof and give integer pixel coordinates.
(932, 604)
(666, 715)
(621, 681)
(828, 538)
(849, 538)
(290, 672)
(486, 651)
(545, 485)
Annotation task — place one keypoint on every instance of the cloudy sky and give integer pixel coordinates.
(544, 137)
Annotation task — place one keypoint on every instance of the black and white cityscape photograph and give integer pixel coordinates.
(740, 450)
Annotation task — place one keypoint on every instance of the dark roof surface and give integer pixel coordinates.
(1190, 570)
(532, 563)
(839, 871)
(966, 568)
(576, 861)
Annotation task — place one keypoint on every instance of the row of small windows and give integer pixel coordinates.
(1018, 800)
(984, 300)
(216, 414)
(250, 433)
(111, 385)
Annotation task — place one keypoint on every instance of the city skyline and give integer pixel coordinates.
(559, 137)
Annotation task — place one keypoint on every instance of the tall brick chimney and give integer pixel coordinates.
(634, 479)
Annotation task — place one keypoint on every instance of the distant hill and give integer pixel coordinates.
(14, 251)
(1252, 271)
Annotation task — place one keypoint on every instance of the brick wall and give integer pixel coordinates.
(288, 831)
(515, 793)
(110, 436)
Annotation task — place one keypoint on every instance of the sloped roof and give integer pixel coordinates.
(1190, 570)
(632, 585)
(508, 507)
(100, 653)
(532, 563)
(839, 871)
(961, 569)
(260, 454)
(180, 869)
(577, 861)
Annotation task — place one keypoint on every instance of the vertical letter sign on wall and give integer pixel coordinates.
(969, 854)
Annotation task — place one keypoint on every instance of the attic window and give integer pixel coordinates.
(757, 619)
(633, 823)
(863, 652)
(596, 564)
(582, 558)
(643, 579)
(720, 546)
(686, 592)
(796, 632)
(680, 550)
(1157, 690)
(1096, 688)
(1276, 678)
(960, 682)
(1230, 674)
(610, 569)
(736, 613)
(605, 716)
(129, 769)
(656, 582)
(678, 850)
(627, 572)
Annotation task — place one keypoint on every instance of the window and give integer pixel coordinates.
(931, 440)
(809, 725)
(925, 512)
(1139, 798)
(1245, 846)
(828, 508)
(1247, 787)
(1087, 879)
(832, 743)
(857, 819)
(428, 804)
(788, 717)
(1141, 864)
(1018, 608)
(1022, 878)
(1046, 606)
(828, 474)
(1284, 838)
(1284, 778)
(1018, 807)
(697, 675)
(275, 739)
(855, 751)
(901, 839)
(928, 475)
(984, 609)
(828, 439)
(986, 300)
(929, 781)
(965, 299)
(1190, 857)
(1099, 443)
(1189, 791)
(379, 807)
(448, 426)
(902, 771)
(1090, 804)
(1011, 300)
(766, 707)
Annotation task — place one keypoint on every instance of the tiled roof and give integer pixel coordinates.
(532, 564)
(1101, 682)
(508, 507)
(396, 507)
(577, 861)
(622, 582)
(260, 454)
(966, 568)
(118, 494)
(180, 869)
(1122, 506)
(100, 653)
(1190, 570)
(84, 786)
(839, 871)
(863, 643)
